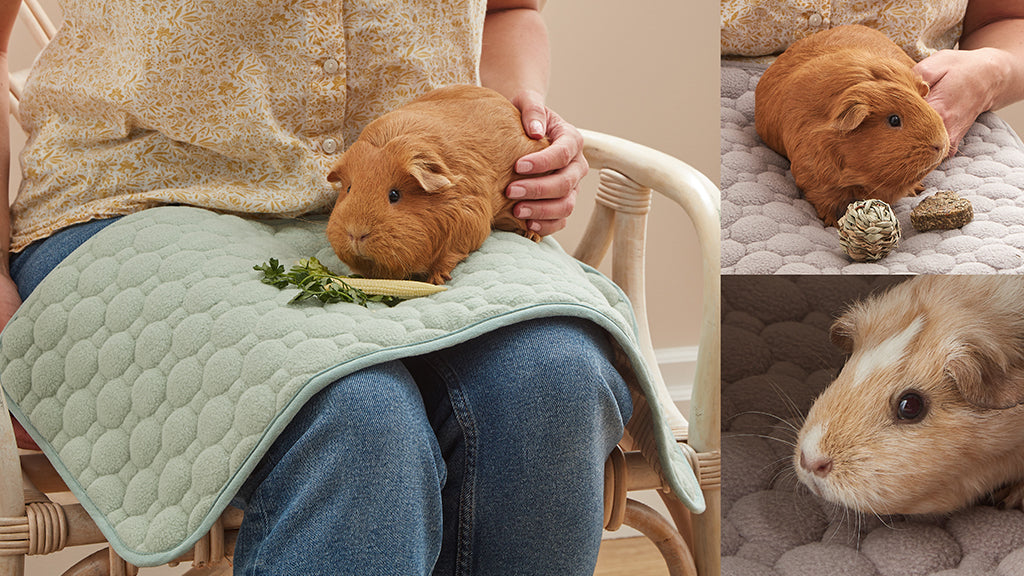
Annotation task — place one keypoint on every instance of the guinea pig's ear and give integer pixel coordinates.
(988, 376)
(851, 109)
(334, 176)
(431, 172)
(841, 333)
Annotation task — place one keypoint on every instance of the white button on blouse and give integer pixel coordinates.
(329, 145)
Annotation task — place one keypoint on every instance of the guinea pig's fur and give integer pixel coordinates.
(826, 104)
(958, 343)
(423, 185)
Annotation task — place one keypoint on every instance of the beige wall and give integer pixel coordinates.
(1015, 116)
(649, 74)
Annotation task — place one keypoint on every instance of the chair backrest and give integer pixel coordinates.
(626, 165)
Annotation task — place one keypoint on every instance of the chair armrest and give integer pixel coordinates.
(701, 200)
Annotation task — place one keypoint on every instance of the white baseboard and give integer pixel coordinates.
(678, 366)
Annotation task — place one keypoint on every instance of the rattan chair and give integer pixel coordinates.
(31, 523)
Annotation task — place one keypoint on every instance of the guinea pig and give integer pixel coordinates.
(926, 415)
(424, 184)
(846, 108)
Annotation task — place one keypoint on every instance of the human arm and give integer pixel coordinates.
(515, 62)
(9, 300)
(986, 73)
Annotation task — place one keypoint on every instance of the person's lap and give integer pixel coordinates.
(483, 456)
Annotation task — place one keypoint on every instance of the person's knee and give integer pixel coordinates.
(574, 358)
(375, 416)
(564, 379)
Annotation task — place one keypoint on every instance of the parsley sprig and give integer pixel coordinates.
(315, 281)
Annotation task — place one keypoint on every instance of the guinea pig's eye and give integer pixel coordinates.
(895, 121)
(394, 196)
(910, 407)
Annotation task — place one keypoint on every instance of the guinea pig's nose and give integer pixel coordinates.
(819, 466)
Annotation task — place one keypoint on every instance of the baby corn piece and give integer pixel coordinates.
(315, 281)
(398, 288)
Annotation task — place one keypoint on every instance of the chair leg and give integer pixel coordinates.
(681, 516)
(667, 539)
(12, 499)
(219, 569)
(12, 566)
(95, 564)
(118, 567)
(707, 543)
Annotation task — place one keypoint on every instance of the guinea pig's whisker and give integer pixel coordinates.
(785, 474)
(777, 466)
(775, 417)
(762, 436)
(884, 519)
(786, 465)
(787, 400)
(843, 515)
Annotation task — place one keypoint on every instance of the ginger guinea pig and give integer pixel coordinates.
(846, 108)
(926, 414)
(424, 184)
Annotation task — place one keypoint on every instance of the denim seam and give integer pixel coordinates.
(261, 520)
(464, 415)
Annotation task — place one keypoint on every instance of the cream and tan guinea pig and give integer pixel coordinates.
(846, 108)
(926, 414)
(424, 184)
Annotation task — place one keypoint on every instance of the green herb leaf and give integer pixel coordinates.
(314, 280)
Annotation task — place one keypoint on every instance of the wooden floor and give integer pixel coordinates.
(618, 557)
(629, 557)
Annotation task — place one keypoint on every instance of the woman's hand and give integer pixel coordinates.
(548, 200)
(964, 83)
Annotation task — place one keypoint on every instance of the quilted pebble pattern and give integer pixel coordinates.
(767, 227)
(776, 360)
(155, 368)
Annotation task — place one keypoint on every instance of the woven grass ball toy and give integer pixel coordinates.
(869, 230)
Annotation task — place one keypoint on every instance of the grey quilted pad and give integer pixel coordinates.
(767, 228)
(154, 368)
(776, 359)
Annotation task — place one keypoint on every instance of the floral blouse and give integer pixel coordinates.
(238, 106)
(763, 27)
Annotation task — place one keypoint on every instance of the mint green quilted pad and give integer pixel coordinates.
(155, 369)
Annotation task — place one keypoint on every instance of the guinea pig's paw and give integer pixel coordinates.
(439, 277)
(441, 271)
(830, 218)
(1011, 497)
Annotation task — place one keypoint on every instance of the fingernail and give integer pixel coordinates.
(523, 212)
(516, 192)
(536, 128)
(535, 226)
(524, 166)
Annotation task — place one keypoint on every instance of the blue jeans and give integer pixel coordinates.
(484, 458)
